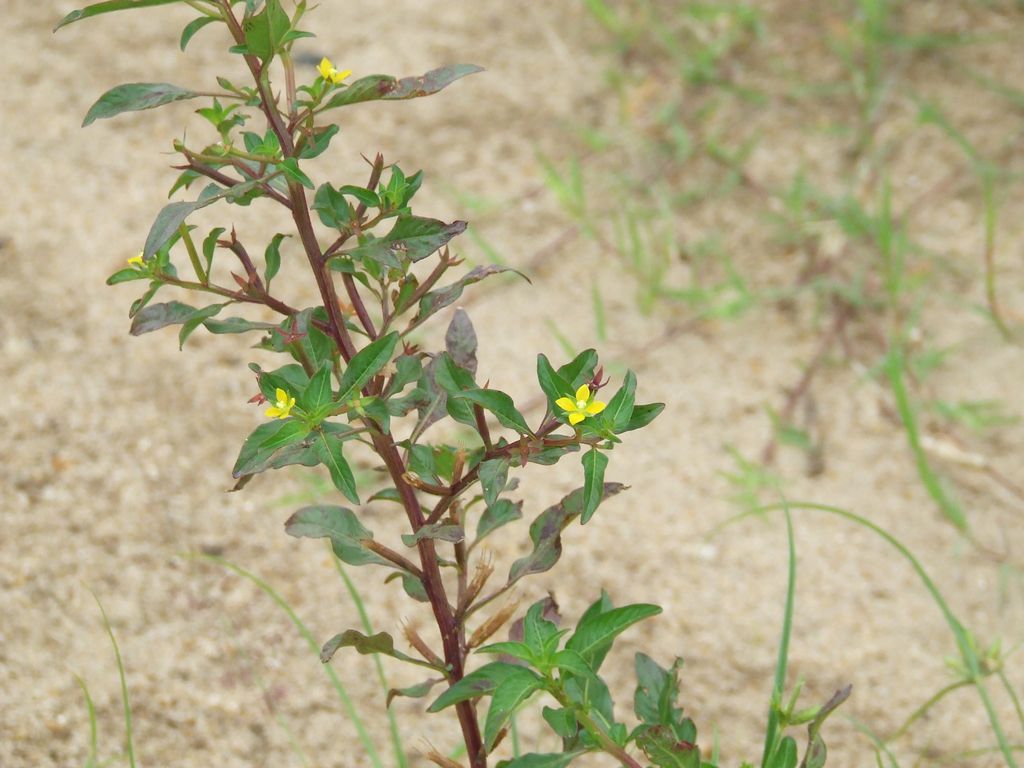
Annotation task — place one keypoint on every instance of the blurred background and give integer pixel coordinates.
(799, 222)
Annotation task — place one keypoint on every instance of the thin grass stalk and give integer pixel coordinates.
(782, 663)
(129, 743)
(396, 737)
(963, 641)
(1012, 693)
(92, 760)
(307, 635)
(894, 366)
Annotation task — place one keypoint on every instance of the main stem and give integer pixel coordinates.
(434, 587)
(383, 444)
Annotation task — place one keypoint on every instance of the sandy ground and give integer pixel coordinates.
(117, 450)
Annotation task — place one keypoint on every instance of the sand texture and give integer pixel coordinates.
(117, 450)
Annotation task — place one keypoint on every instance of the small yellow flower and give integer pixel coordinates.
(582, 406)
(283, 407)
(330, 74)
(137, 261)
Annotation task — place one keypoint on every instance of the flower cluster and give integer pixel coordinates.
(581, 406)
(330, 74)
(281, 409)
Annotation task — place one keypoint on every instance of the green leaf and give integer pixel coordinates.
(321, 140)
(591, 694)
(580, 370)
(272, 257)
(365, 196)
(595, 633)
(367, 645)
(192, 27)
(642, 416)
(196, 319)
(498, 403)
(476, 684)
(562, 721)
(408, 369)
(493, 475)
(620, 407)
(569, 662)
(546, 533)
(510, 648)
(157, 316)
(236, 325)
(366, 364)
(292, 432)
(441, 531)
(332, 207)
(785, 756)
(412, 237)
(817, 752)
(172, 216)
(132, 97)
(291, 378)
(436, 300)
(330, 453)
(460, 341)
(341, 526)
(502, 512)
(126, 275)
(417, 691)
(252, 453)
(317, 393)
(656, 692)
(664, 750)
(550, 381)
(373, 87)
(507, 698)
(594, 463)
(451, 377)
(538, 632)
(301, 452)
(108, 7)
(414, 587)
(542, 760)
(291, 169)
(210, 244)
(265, 31)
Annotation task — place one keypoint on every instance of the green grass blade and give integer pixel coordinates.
(877, 741)
(1012, 693)
(128, 741)
(311, 641)
(967, 653)
(922, 710)
(949, 507)
(396, 737)
(782, 663)
(91, 761)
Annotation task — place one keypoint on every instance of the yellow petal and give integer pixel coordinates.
(326, 68)
(337, 77)
(596, 407)
(576, 418)
(583, 393)
(281, 395)
(566, 403)
(272, 412)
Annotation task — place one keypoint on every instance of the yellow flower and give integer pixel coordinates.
(137, 261)
(283, 407)
(330, 74)
(582, 406)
